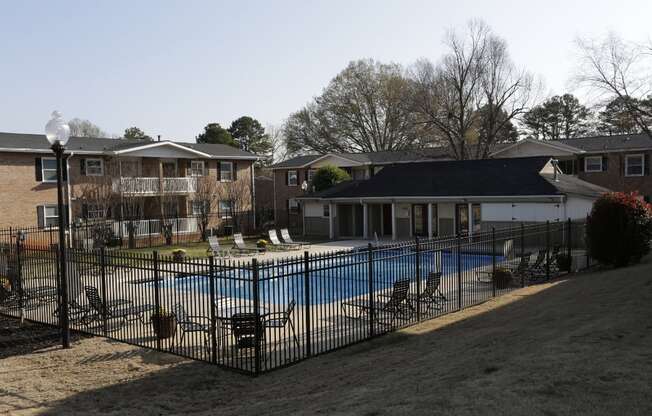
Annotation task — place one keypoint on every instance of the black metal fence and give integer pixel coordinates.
(258, 314)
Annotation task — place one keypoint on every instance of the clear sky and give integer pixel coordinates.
(172, 67)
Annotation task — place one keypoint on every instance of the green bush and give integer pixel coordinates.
(328, 176)
(619, 229)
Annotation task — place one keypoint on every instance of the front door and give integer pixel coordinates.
(462, 218)
(420, 220)
(387, 219)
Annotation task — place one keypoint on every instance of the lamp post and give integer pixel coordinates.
(58, 132)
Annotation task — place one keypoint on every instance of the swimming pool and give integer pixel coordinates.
(329, 281)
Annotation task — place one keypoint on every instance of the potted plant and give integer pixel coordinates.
(502, 278)
(564, 261)
(164, 323)
(178, 255)
(262, 244)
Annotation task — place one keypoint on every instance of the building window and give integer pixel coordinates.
(593, 164)
(327, 210)
(49, 169)
(94, 167)
(200, 207)
(50, 216)
(93, 211)
(226, 209)
(293, 178)
(293, 206)
(634, 165)
(567, 167)
(226, 171)
(310, 174)
(197, 168)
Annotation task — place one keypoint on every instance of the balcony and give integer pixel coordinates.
(154, 186)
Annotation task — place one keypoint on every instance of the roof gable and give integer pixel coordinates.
(530, 148)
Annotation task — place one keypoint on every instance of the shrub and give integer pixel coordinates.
(179, 254)
(328, 176)
(502, 277)
(619, 229)
(563, 261)
(261, 243)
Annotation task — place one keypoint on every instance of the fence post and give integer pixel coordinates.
(103, 277)
(258, 329)
(493, 261)
(548, 250)
(417, 257)
(19, 279)
(211, 277)
(306, 294)
(157, 299)
(586, 246)
(149, 232)
(459, 272)
(569, 249)
(370, 271)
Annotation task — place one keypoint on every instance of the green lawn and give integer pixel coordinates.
(197, 249)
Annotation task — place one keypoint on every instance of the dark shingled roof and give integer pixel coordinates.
(488, 177)
(39, 143)
(373, 158)
(609, 143)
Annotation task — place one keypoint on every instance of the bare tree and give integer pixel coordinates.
(234, 200)
(85, 128)
(205, 199)
(364, 109)
(613, 68)
(276, 137)
(477, 74)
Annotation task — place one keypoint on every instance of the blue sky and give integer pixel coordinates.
(171, 67)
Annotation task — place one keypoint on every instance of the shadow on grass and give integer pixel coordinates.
(551, 352)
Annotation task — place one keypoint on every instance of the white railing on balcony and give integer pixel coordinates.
(154, 186)
(153, 227)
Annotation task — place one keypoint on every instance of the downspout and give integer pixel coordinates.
(253, 193)
(274, 189)
(69, 197)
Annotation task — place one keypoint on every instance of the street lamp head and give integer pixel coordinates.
(57, 131)
(304, 186)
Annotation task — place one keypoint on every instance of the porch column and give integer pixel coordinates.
(470, 211)
(394, 222)
(331, 221)
(302, 206)
(365, 221)
(429, 220)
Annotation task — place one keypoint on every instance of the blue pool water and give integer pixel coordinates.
(329, 280)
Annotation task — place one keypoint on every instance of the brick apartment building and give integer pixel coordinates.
(153, 178)
(618, 163)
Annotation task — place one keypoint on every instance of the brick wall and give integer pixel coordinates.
(283, 193)
(614, 177)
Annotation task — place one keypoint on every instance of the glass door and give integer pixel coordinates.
(420, 220)
(462, 218)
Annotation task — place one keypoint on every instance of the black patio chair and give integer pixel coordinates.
(121, 309)
(521, 269)
(279, 320)
(247, 328)
(431, 295)
(396, 305)
(192, 324)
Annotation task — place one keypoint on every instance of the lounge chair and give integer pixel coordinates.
(279, 320)
(285, 235)
(273, 238)
(397, 304)
(214, 248)
(121, 309)
(521, 269)
(192, 324)
(241, 247)
(431, 295)
(31, 297)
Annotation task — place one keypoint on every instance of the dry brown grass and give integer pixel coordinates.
(577, 346)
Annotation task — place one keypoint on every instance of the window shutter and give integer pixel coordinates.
(235, 170)
(82, 166)
(646, 164)
(38, 167)
(287, 177)
(622, 165)
(605, 163)
(40, 215)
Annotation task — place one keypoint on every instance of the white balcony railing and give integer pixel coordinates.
(153, 227)
(154, 186)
